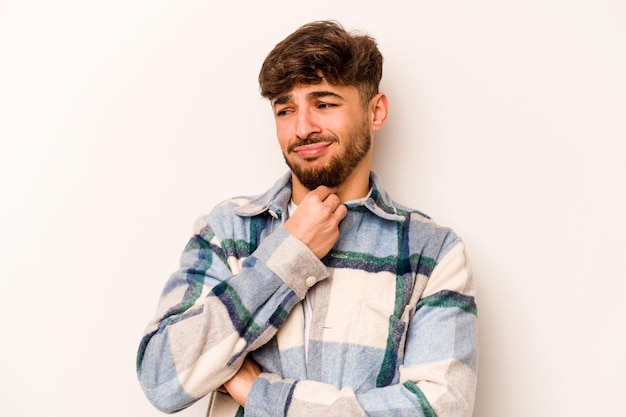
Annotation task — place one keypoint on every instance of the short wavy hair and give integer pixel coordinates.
(322, 50)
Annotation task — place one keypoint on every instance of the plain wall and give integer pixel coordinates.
(122, 121)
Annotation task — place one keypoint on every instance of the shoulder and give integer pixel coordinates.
(222, 215)
(236, 212)
(428, 236)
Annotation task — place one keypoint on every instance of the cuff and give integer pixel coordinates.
(270, 396)
(292, 261)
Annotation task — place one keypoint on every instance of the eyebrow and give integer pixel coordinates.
(315, 94)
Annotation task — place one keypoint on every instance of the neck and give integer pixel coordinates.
(356, 186)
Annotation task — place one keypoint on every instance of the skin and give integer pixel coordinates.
(337, 115)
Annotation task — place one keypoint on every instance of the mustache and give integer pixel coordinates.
(311, 141)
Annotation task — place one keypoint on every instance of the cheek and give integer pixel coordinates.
(341, 124)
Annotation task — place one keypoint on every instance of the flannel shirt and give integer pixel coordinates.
(394, 325)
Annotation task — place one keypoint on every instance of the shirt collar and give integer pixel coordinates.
(276, 199)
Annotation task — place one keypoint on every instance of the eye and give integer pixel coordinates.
(325, 105)
(283, 112)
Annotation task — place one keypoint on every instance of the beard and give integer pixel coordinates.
(340, 166)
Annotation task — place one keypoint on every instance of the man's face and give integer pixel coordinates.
(323, 131)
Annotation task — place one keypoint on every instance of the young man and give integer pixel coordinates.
(321, 296)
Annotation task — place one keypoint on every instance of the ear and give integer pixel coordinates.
(379, 106)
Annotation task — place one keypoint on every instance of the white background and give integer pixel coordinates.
(122, 121)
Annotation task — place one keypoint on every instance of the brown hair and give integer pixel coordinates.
(322, 50)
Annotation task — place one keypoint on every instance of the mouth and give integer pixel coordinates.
(312, 150)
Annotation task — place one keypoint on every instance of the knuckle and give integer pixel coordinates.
(326, 211)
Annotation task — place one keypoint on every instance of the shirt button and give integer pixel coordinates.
(310, 281)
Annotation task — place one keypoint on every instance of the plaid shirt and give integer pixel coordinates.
(393, 330)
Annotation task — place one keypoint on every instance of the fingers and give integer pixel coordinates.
(326, 195)
(322, 192)
(340, 212)
(316, 221)
(332, 201)
(240, 384)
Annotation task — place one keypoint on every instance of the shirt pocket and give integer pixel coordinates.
(377, 340)
(372, 325)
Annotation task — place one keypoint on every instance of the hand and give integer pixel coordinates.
(240, 384)
(316, 222)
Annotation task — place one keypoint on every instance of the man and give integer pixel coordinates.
(322, 296)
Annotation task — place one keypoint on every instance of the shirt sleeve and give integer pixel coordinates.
(437, 373)
(216, 308)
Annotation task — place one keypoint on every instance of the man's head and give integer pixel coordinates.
(322, 50)
(323, 86)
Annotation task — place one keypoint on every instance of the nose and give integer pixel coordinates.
(306, 124)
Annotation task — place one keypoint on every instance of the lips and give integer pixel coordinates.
(312, 150)
(312, 147)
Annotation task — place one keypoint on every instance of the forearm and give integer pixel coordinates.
(272, 396)
(210, 318)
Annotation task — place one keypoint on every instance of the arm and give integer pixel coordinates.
(438, 374)
(209, 318)
(213, 310)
